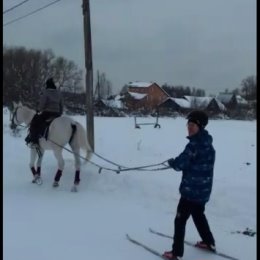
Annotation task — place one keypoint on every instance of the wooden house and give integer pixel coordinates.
(144, 95)
(171, 104)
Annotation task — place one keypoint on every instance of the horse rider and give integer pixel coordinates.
(50, 106)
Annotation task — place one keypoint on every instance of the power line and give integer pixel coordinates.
(33, 12)
(15, 6)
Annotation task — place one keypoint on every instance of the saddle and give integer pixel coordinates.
(38, 128)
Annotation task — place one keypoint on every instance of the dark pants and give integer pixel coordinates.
(184, 210)
(38, 125)
(46, 115)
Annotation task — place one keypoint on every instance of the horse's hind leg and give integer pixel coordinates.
(58, 155)
(76, 152)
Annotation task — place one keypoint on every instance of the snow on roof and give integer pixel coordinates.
(181, 102)
(220, 105)
(137, 95)
(140, 84)
(113, 103)
(198, 101)
(241, 100)
(145, 85)
(203, 102)
(118, 97)
(224, 97)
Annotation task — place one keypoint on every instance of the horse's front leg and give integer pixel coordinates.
(61, 163)
(39, 163)
(36, 173)
(33, 155)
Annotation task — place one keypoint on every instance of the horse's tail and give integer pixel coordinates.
(81, 139)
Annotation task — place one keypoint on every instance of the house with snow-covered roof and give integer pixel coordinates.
(231, 101)
(144, 95)
(108, 107)
(187, 103)
(206, 103)
(171, 104)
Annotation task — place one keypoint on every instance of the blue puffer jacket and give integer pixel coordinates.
(197, 163)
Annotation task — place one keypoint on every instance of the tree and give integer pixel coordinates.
(226, 91)
(249, 87)
(124, 89)
(236, 91)
(25, 72)
(67, 75)
(180, 91)
(169, 90)
(103, 87)
(199, 93)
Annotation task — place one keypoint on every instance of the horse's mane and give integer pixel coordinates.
(27, 109)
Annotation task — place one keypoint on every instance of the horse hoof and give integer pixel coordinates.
(74, 189)
(37, 179)
(55, 184)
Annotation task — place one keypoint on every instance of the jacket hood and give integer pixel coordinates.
(202, 135)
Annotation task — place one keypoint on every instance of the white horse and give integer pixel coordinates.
(62, 130)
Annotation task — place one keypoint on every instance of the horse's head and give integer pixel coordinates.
(13, 115)
(19, 114)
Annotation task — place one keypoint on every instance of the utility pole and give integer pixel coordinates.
(97, 90)
(89, 73)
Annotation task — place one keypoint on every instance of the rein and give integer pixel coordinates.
(120, 167)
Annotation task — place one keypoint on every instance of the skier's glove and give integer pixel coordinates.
(171, 162)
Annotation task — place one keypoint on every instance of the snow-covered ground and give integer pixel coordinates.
(46, 223)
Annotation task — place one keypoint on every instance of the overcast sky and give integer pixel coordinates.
(204, 43)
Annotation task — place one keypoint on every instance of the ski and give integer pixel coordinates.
(191, 244)
(147, 248)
